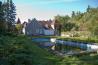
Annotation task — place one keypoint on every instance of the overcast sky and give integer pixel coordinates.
(47, 9)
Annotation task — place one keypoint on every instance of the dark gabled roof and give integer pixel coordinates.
(46, 24)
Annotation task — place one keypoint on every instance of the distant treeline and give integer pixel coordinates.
(87, 21)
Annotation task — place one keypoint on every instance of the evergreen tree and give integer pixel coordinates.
(1, 12)
(88, 8)
(73, 13)
(2, 21)
(18, 21)
(10, 13)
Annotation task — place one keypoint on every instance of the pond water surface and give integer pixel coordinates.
(65, 46)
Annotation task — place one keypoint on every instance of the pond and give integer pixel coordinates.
(67, 47)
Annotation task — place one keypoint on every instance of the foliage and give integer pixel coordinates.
(86, 21)
(1, 12)
(69, 26)
(81, 60)
(73, 14)
(64, 21)
(2, 21)
(95, 31)
(19, 28)
(10, 11)
(20, 50)
(7, 15)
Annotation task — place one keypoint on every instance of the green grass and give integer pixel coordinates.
(79, 39)
(74, 39)
(82, 60)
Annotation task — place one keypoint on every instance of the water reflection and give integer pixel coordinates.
(65, 47)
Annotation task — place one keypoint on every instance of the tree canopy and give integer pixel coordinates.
(81, 21)
(7, 15)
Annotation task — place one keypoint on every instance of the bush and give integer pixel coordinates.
(20, 50)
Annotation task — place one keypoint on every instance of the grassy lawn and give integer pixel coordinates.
(75, 39)
(82, 60)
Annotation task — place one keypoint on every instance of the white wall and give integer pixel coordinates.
(23, 30)
(52, 26)
(48, 32)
